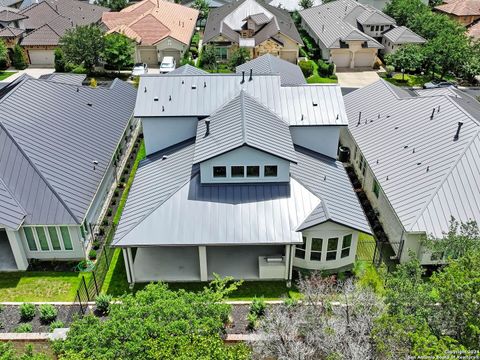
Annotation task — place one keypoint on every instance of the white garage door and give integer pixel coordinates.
(149, 56)
(41, 57)
(174, 53)
(364, 59)
(342, 60)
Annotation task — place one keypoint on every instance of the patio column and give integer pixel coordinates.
(17, 249)
(202, 256)
(290, 270)
(127, 265)
(130, 261)
(287, 261)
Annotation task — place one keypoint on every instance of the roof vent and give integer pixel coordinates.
(251, 75)
(337, 116)
(164, 157)
(204, 84)
(433, 114)
(78, 89)
(428, 168)
(95, 163)
(155, 98)
(145, 89)
(438, 110)
(163, 108)
(325, 178)
(405, 147)
(194, 87)
(314, 103)
(359, 117)
(419, 163)
(207, 130)
(413, 151)
(90, 104)
(457, 135)
(169, 97)
(301, 118)
(243, 77)
(183, 82)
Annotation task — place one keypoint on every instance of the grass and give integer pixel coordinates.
(32, 286)
(5, 74)
(315, 78)
(411, 80)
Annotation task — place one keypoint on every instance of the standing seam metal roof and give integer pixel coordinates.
(424, 173)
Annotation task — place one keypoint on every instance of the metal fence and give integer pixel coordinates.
(377, 252)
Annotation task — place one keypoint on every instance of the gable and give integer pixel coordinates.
(151, 28)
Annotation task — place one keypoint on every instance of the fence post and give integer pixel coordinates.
(80, 302)
(86, 288)
(95, 281)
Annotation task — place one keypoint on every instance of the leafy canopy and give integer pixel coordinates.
(118, 51)
(407, 57)
(203, 7)
(115, 5)
(157, 323)
(239, 56)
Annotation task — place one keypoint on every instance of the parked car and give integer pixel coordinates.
(139, 69)
(168, 64)
(439, 84)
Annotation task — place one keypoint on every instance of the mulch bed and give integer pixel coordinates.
(240, 323)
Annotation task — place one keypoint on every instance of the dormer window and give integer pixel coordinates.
(238, 171)
(219, 171)
(270, 170)
(253, 171)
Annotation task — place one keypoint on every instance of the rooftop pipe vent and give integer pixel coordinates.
(457, 135)
(251, 75)
(243, 77)
(207, 130)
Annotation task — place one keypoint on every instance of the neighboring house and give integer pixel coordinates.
(11, 3)
(159, 28)
(253, 25)
(474, 30)
(290, 5)
(380, 4)
(240, 180)
(350, 34)
(11, 25)
(290, 74)
(57, 164)
(398, 36)
(417, 158)
(465, 12)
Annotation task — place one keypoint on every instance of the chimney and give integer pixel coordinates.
(243, 77)
(251, 75)
(457, 135)
(207, 124)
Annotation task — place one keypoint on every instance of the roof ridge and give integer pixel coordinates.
(39, 173)
(242, 109)
(440, 185)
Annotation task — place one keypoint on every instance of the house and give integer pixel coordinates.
(226, 187)
(253, 25)
(290, 74)
(187, 70)
(11, 25)
(58, 153)
(11, 3)
(350, 34)
(159, 28)
(416, 155)
(290, 5)
(466, 12)
(43, 23)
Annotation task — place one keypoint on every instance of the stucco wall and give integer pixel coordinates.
(322, 139)
(325, 231)
(160, 133)
(245, 156)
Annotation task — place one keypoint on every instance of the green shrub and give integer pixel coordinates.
(27, 311)
(24, 328)
(289, 302)
(57, 324)
(4, 57)
(48, 313)
(307, 67)
(59, 60)
(102, 302)
(252, 319)
(2, 308)
(92, 254)
(96, 243)
(258, 306)
(19, 58)
(110, 211)
(79, 70)
(325, 69)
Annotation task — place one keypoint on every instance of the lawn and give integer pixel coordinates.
(38, 286)
(317, 79)
(411, 80)
(5, 74)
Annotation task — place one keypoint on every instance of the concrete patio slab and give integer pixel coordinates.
(356, 79)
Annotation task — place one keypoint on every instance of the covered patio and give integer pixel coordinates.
(7, 259)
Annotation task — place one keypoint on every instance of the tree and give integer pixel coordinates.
(157, 323)
(115, 5)
(305, 4)
(307, 67)
(208, 58)
(407, 57)
(239, 56)
(118, 51)
(83, 45)
(203, 7)
(316, 329)
(7, 352)
(4, 58)
(19, 58)
(404, 10)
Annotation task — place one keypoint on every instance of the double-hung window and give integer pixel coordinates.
(346, 245)
(316, 249)
(300, 249)
(332, 246)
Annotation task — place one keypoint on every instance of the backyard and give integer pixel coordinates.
(5, 74)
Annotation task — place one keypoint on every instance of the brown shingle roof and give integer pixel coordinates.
(460, 7)
(151, 21)
(48, 34)
(10, 32)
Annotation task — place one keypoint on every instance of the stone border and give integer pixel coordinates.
(57, 334)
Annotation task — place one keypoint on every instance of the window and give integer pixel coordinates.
(382, 28)
(363, 165)
(376, 188)
(270, 170)
(219, 171)
(52, 232)
(316, 250)
(32, 245)
(221, 53)
(238, 171)
(67, 241)
(42, 238)
(346, 244)
(253, 171)
(332, 246)
(300, 249)
(376, 28)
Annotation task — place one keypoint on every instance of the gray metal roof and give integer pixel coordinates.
(424, 173)
(290, 74)
(243, 121)
(333, 22)
(201, 95)
(167, 198)
(11, 212)
(187, 70)
(403, 35)
(66, 78)
(281, 21)
(54, 138)
(372, 16)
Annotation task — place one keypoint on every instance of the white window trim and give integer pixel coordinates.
(49, 240)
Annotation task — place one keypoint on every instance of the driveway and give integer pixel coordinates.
(32, 71)
(356, 79)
